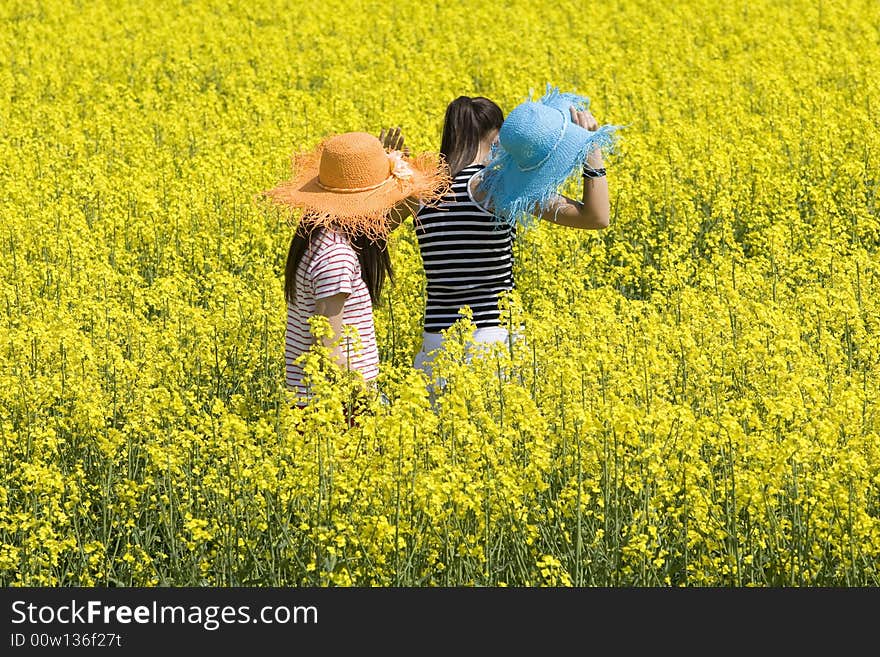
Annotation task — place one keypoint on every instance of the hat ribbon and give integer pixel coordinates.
(550, 152)
(399, 170)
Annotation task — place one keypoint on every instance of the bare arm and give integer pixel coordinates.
(332, 307)
(402, 210)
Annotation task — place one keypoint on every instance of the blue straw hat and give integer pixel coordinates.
(539, 150)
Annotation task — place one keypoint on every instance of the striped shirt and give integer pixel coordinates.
(467, 254)
(329, 266)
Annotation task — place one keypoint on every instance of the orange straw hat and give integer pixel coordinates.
(350, 183)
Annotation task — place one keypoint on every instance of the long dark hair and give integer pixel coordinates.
(373, 256)
(467, 121)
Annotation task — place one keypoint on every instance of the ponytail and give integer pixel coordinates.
(467, 121)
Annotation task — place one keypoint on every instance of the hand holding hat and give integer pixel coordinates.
(584, 118)
(542, 144)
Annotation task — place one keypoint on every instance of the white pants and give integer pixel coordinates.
(433, 342)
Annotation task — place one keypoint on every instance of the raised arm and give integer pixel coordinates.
(392, 140)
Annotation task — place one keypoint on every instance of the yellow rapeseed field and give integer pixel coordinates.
(693, 402)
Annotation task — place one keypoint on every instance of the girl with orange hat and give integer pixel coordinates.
(352, 190)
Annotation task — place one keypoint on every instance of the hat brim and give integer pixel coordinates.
(516, 195)
(365, 212)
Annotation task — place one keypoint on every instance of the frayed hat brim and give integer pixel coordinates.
(358, 213)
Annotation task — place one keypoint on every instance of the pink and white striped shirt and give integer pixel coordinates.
(330, 266)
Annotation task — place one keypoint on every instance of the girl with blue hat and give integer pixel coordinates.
(505, 174)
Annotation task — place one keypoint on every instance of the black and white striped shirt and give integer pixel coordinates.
(467, 255)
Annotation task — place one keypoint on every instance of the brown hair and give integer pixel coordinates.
(467, 121)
